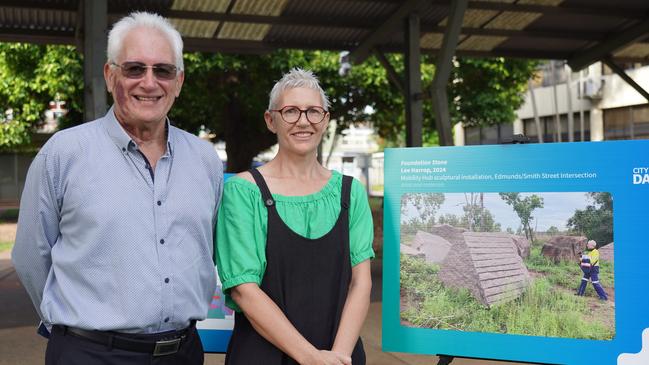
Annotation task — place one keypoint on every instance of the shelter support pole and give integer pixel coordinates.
(443, 71)
(620, 72)
(95, 26)
(413, 94)
(537, 120)
(571, 119)
(393, 75)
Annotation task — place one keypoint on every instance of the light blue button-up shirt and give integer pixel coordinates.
(103, 245)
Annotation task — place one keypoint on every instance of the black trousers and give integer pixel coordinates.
(67, 349)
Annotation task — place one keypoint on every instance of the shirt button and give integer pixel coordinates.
(166, 280)
(166, 319)
(159, 202)
(123, 149)
(162, 241)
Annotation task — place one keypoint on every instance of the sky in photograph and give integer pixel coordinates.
(557, 209)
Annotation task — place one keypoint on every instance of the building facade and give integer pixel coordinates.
(590, 105)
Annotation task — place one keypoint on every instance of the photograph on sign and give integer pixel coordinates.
(508, 263)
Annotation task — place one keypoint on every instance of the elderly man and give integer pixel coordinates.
(589, 264)
(115, 234)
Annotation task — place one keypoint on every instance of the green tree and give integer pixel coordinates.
(450, 219)
(489, 91)
(229, 93)
(418, 210)
(553, 231)
(30, 77)
(523, 208)
(479, 219)
(596, 221)
(476, 217)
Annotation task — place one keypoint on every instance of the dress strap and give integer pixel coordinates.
(345, 192)
(261, 183)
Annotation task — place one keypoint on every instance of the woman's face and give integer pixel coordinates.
(302, 137)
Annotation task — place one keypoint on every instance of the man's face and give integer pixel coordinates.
(146, 99)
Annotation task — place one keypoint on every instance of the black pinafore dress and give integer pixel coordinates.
(308, 279)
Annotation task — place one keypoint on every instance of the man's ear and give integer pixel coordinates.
(179, 82)
(109, 77)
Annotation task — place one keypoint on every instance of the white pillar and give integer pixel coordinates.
(596, 125)
(458, 135)
(519, 127)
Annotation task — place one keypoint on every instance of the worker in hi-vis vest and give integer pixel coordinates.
(589, 264)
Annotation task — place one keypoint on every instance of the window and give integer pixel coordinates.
(549, 128)
(495, 134)
(629, 122)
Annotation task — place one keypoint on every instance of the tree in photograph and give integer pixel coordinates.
(450, 219)
(523, 208)
(479, 219)
(552, 231)
(596, 220)
(476, 217)
(32, 76)
(418, 210)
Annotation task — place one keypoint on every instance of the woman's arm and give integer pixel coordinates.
(271, 323)
(355, 309)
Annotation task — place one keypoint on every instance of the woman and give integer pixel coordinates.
(293, 243)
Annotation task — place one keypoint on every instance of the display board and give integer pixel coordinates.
(485, 252)
(215, 331)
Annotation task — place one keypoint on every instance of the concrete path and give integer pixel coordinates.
(20, 345)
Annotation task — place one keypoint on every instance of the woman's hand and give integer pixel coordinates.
(324, 357)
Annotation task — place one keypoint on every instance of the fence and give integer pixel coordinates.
(13, 170)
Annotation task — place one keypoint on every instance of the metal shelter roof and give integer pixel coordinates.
(580, 31)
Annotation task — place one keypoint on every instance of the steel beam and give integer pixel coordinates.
(443, 71)
(620, 72)
(609, 46)
(360, 53)
(413, 97)
(393, 76)
(94, 57)
(520, 33)
(576, 9)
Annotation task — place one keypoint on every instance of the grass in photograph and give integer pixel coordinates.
(545, 309)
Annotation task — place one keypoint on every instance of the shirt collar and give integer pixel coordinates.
(123, 140)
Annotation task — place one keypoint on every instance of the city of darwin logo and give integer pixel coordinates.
(640, 175)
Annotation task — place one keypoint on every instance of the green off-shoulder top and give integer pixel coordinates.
(243, 218)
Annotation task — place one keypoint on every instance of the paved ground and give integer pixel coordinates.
(20, 345)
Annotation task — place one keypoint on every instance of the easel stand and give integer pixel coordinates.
(447, 359)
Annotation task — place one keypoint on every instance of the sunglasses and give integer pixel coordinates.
(136, 70)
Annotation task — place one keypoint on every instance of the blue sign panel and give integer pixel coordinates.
(533, 253)
(215, 331)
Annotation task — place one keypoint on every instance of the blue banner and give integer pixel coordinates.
(529, 253)
(215, 331)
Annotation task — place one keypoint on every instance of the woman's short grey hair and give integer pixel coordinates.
(146, 20)
(295, 78)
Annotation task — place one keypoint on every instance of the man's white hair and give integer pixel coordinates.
(146, 20)
(295, 78)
